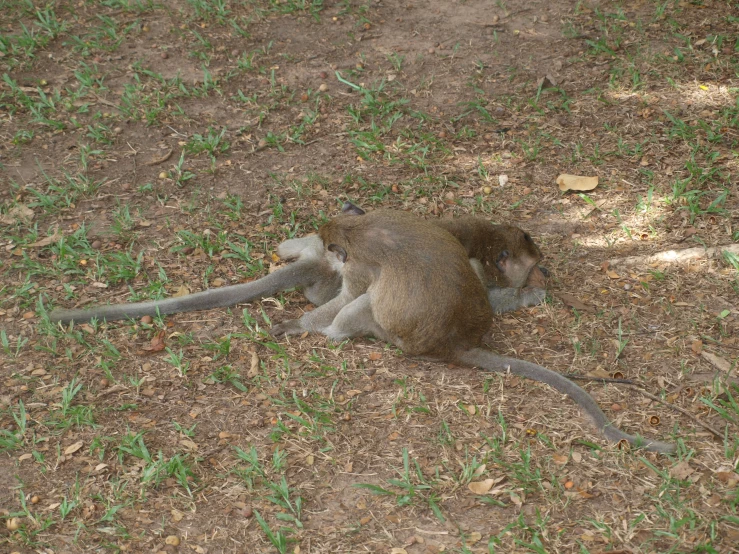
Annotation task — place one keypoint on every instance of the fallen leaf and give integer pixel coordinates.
(548, 81)
(681, 470)
(729, 478)
(560, 459)
(156, 344)
(716, 361)
(190, 445)
(17, 212)
(576, 182)
(481, 487)
(46, 241)
(182, 291)
(374, 356)
(254, 368)
(472, 538)
(697, 346)
(71, 449)
(398, 551)
(573, 302)
(160, 159)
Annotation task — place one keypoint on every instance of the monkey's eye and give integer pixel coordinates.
(527, 237)
(503, 255)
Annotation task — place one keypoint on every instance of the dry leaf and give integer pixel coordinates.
(156, 344)
(548, 81)
(470, 409)
(560, 459)
(374, 356)
(716, 361)
(576, 182)
(46, 241)
(480, 470)
(481, 487)
(71, 449)
(189, 444)
(182, 291)
(573, 302)
(254, 369)
(19, 211)
(398, 551)
(177, 515)
(697, 346)
(681, 471)
(472, 538)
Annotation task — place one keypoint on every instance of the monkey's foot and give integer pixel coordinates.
(289, 327)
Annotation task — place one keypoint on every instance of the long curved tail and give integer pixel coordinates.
(293, 275)
(489, 361)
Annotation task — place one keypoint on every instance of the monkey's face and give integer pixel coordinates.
(519, 257)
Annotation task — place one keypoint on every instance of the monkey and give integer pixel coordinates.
(409, 282)
(505, 259)
(503, 256)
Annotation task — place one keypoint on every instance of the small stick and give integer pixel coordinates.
(681, 410)
(639, 388)
(601, 379)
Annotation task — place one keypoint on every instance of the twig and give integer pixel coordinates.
(686, 413)
(676, 256)
(639, 388)
(600, 379)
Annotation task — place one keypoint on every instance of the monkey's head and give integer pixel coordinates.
(518, 256)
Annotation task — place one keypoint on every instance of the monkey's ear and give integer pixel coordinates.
(339, 251)
(350, 209)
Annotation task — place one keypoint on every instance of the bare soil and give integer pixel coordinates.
(420, 106)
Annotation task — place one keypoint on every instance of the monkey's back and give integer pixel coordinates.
(423, 290)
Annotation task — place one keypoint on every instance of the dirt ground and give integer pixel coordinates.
(151, 149)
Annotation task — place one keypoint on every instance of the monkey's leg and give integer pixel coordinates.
(356, 320)
(316, 320)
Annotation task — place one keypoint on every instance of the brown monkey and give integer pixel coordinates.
(409, 282)
(507, 256)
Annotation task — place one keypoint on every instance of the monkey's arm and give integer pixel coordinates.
(300, 273)
(505, 300)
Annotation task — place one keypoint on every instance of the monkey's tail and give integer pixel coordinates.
(489, 361)
(292, 275)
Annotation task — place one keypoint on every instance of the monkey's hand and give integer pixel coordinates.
(289, 327)
(505, 300)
